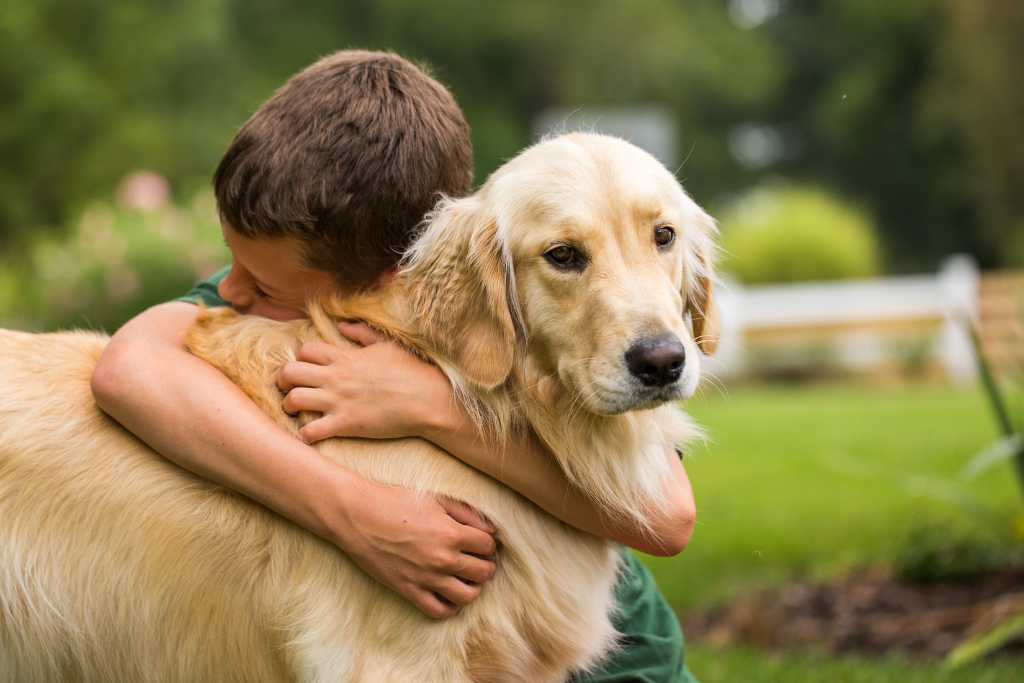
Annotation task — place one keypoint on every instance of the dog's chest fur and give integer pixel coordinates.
(546, 610)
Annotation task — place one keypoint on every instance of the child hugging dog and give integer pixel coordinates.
(323, 189)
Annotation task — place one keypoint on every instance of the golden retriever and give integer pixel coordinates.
(569, 295)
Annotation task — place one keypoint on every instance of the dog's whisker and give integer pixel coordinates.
(709, 378)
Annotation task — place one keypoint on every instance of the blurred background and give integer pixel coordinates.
(860, 511)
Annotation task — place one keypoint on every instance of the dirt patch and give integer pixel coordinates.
(868, 612)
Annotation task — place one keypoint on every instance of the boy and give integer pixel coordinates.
(322, 188)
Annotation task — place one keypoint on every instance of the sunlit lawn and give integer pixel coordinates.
(799, 482)
(811, 481)
(740, 665)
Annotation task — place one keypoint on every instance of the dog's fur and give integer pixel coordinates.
(117, 566)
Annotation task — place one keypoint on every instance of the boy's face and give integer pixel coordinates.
(268, 277)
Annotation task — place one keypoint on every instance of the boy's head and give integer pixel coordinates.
(340, 166)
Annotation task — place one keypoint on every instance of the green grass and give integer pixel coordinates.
(809, 482)
(812, 481)
(751, 666)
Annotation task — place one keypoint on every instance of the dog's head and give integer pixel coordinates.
(583, 252)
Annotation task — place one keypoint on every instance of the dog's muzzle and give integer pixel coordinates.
(656, 361)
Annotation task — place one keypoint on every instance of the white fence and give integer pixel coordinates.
(857, 320)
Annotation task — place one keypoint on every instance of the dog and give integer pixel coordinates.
(570, 295)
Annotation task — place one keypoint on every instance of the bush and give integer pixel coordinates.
(955, 549)
(793, 233)
(10, 297)
(114, 262)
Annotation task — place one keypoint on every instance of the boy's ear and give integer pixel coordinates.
(699, 301)
(461, 279)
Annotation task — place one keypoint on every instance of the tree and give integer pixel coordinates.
(977, 93)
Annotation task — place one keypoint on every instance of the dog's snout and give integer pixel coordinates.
(656, 361)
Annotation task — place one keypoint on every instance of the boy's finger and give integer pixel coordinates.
(433, 605)
(456, 592)
(320, 353)
(477, 542)
(476, 569)
(304, 398)
(318, 430)
(299, 374)
(359, 333)
(464, 514)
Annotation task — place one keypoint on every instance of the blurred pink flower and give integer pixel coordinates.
(143, 191)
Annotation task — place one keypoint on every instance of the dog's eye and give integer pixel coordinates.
(664, 236)
(565, 257)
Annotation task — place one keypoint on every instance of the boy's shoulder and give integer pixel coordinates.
(205, 292)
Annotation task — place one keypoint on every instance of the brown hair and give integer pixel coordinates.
(347, 156)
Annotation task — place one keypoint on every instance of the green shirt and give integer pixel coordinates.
(652, 642)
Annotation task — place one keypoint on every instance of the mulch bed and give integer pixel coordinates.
(869, 612)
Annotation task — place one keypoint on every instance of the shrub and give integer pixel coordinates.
(10, 296)
(792, 233)
(952, 549)
(114, 262)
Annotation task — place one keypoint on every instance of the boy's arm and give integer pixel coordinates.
(530, 469)
(382, 391)
(192, 414)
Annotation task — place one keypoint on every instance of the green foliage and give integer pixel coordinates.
(114, 263)
(908, 106)
(11, 284)
(986, 643)
(1003, 400)
(955, 548)
(979, 53)
(94, 90)
(792, 233)
(915, 126)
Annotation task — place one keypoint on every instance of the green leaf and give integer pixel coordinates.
(1003, 449)
(986, 643)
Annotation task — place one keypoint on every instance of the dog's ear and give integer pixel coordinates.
(699, 300)
(461, 292)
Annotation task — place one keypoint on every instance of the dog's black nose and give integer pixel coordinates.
(656, 361)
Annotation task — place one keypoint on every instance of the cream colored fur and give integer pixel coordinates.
(117, 566)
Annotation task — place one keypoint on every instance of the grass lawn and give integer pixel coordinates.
(808, 482)
(750, 666)
(811, 481)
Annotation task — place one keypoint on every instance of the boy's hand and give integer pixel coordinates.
(376, 391)
(435, 551)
